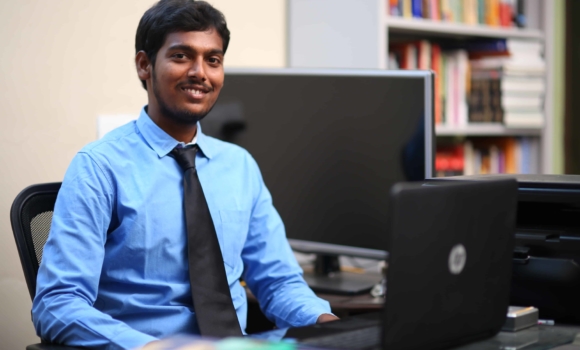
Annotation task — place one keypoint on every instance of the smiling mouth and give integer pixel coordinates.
(195, 92)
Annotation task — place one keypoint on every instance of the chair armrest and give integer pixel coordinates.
(40, 346)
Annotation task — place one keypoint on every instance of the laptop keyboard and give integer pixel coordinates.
(364, 338)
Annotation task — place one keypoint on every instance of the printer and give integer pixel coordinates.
(546, 263)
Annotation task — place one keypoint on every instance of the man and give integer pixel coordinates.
(116, 268)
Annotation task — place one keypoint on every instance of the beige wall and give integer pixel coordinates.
(63, 63)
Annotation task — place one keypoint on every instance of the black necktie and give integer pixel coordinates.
(211, 295)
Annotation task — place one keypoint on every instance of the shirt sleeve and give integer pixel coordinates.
(271, 270)
(68, 278)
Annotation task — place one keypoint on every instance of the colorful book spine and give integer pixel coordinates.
(436, 66)
(492, 13)
(434, 10)
(506, 10)
(407, 8)
(417, 8)
(394, 8)
(481, 11)
(445, 11)
(470, 11)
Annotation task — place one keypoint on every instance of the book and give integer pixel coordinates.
(506, 10)
(481, 11)
(523, 119)
(492, 13)
(438, 85)
(405, 54)
(449, 160)
(417, 8)
(470, 11)
(394, 9)
(488, 155)
(487, 45)
(424, 57)
(523, 85)
(434, 10)
(521, 67)
(505, 13)
(484, 101)
(511, 103)
(480, 90)
(445, 11)
(407, 10)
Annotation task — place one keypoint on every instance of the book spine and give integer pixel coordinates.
(426, 9)
(434, 10)
(481, 11)
(445, 10)
(492, 13)
(394, 8)
(470, 11)
(417, 8)
(505, 13)
(436, 66)
(407, 9)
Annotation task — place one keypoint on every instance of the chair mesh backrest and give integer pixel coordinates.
(36, 218)
(40, 227)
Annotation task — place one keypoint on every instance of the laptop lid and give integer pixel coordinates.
(449, 273)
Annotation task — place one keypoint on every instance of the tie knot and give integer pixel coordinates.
(185, 157)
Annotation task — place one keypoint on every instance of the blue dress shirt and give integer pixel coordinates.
(114, 271)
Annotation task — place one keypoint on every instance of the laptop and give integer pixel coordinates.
(448, 275)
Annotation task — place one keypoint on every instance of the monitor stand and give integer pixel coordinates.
(329, 279)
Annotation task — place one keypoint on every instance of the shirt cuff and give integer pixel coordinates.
(312, 315)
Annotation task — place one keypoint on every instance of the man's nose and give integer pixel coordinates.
(197, 70)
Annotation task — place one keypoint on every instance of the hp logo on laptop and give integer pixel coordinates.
(457, 259)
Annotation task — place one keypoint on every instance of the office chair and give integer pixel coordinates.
(31, 216)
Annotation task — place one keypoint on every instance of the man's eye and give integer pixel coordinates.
(179, 55)
(214, 60)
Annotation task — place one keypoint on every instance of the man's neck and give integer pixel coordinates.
(181, 132)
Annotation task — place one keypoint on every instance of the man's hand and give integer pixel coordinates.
(326, 318)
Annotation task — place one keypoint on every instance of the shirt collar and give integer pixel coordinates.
(162, 143)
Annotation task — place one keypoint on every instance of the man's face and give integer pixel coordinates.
(188, 76)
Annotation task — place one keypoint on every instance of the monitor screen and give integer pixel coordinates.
(330, 144)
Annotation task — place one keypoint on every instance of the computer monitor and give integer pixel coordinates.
(330, 144)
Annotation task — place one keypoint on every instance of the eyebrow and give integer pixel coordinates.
(191, 49)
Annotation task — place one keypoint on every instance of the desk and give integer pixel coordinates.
(559, 337)
(533, 338)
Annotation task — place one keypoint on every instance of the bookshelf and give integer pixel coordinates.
(357, 34)
(429, 27)
(485, 130)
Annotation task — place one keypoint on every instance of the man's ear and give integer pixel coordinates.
(143, 65)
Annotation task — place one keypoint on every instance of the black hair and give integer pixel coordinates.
(170, 16)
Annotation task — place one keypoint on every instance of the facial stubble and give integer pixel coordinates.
(181, 116)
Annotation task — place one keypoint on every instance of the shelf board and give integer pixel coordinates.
(461, 30)
(485, 130)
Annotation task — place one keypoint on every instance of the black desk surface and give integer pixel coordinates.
(533, 338)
